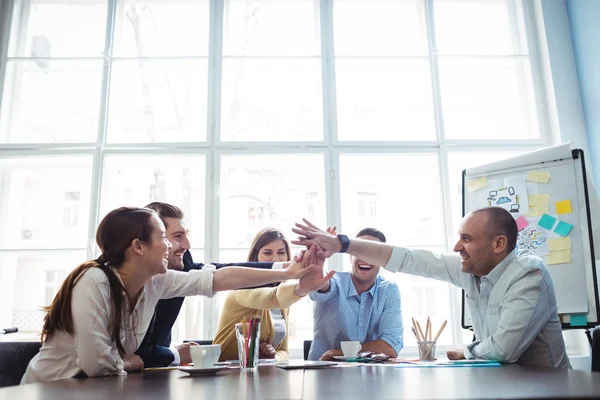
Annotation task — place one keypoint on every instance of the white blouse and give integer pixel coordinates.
(90, 349)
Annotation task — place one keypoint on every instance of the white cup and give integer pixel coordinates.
(350, 348)
(205, 356)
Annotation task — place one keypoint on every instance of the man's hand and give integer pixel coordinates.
(328, 355)
(309, 234)
(184, 352)
(265, 350)
(133, 363)
(313, 280)
(456, 353)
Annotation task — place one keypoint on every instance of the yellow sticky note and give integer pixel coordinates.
(563, 207)
(542, 200)
(541, 177)
(537, 211)
(559, 257)
(563, 243)
(476, 184)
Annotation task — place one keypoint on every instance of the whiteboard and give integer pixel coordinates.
(575, 282)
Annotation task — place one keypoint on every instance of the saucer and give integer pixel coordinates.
(203, 371)
(342, 358)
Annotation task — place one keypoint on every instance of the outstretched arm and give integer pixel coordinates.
(372, 252)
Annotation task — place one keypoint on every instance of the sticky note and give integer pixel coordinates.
(563, 207)
(563, 228)
(537, 211)
(476, 184)
(542, 200)
(541, 177)
(522, 223)
(547, 221)
(559, 257)
(557, 244)
(578, 319)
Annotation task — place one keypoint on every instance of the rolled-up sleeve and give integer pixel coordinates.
(178, 284)
(443, 267)
(390, 326)
(320, 297)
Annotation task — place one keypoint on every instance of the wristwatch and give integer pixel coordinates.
(345, 242)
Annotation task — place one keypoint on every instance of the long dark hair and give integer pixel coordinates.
(115, 233)
(263, 238)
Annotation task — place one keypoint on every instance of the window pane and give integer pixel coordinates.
(158, 101)
(24, 288)
(488, 98)
(276, 27)
(269, 190)
(380, 27)
(51, 101)
(277, 100)
(400, 195)
(58, 29)
(457, 162)
(138, 180)
(384, 100)
(480, 27)
(162, 28)
(34, 212)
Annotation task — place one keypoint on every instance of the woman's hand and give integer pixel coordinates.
(299, 266)
(133, 363)
(265, 350)
(313, 280)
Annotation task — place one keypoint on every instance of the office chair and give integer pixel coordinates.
(14, 358)
(596, 350)
(307, 344)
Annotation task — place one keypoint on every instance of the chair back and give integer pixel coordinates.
(307, 344)
(596, 349)
(14, 358)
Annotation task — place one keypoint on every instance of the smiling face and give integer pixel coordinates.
(177, 234)
(156, 253)
(273, 252)
(479, 252)
(363, 273)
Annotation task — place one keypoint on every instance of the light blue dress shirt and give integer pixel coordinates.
(342, 314)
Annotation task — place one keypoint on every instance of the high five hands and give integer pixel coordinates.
(308, 235)
(315, 278)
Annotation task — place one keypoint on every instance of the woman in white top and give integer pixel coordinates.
(104, 307)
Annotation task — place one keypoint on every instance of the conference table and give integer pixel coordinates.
(365, 382)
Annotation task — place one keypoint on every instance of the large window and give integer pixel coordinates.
(247, 114)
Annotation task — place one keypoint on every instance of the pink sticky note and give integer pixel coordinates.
(522, 223)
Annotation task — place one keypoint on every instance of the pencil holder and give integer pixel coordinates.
(248, 341)
(426, 350)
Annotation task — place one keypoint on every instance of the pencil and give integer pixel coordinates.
(440, 331)
(245, 341)
(427, 327)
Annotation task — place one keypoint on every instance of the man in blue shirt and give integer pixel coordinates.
(360, 305)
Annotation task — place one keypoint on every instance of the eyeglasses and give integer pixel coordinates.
(369, 356)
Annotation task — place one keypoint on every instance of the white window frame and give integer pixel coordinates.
(330, 147)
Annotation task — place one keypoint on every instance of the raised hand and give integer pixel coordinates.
(313, 280)
(309, 234)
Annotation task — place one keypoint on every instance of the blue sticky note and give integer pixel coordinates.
(578, 319)
(547, 221)
(563, 228)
